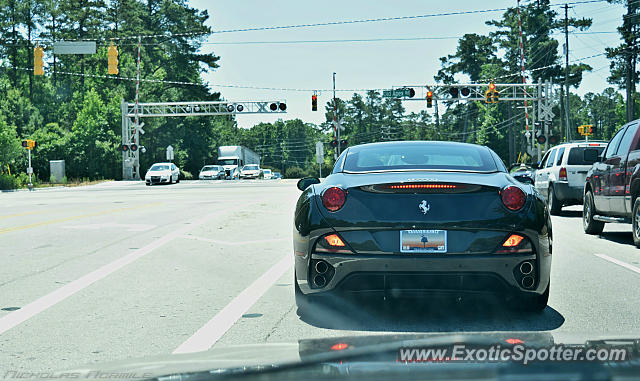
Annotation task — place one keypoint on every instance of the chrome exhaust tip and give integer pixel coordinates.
(526, 268)
(527, 281)
(321, 267)
(319, 281)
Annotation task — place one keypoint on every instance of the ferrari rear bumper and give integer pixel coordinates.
(423, 274)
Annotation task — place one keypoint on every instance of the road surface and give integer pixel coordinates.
(119, 270)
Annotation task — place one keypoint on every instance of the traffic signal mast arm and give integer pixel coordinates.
(476, 91)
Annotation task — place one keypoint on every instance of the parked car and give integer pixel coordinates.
(267, 174)
(613, 183)
(162, 173)
(212, 172)
(250, 171)
(561, 174)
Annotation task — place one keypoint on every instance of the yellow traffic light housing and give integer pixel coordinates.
(429, 98)
(29, 144)
(38, 64)
(112, 57)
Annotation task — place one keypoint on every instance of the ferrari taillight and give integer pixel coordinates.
(563, 174)
(333, 198)
(513, 197)
(515, 244)
(334, 240)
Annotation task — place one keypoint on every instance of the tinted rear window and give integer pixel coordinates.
(406, 156)
(576, 155)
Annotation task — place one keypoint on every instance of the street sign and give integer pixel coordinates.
(74, 47)
(319, 153)
(396, 93)
(169, 153)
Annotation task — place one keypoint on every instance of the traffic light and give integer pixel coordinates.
(279, 105)
(29, 144)
(134, 147)
(580, 130)
(38, 64)
(314, 102)
(454, 92)
(491, 95)
(487, 96)
(496, 96)
(541, 139)
(112, 58)
(429, 98)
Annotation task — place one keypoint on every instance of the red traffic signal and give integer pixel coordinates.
(314, 102)
(492, 86)
(134, 147)
(125, 148)
(429, 98)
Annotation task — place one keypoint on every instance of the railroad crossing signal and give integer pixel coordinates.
(29, 144)
(112, 57)
(586, 129)
(38, 64)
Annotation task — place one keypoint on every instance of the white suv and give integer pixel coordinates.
(562, 172)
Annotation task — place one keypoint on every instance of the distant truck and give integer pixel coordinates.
(233, 158)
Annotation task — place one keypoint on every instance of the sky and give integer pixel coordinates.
(271, 60)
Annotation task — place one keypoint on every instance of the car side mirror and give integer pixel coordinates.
(591, 155)
(305, 182)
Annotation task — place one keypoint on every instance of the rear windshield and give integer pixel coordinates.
(209, 168)
(159, 167)
(407, 156)
(250, 167)
(576, 155)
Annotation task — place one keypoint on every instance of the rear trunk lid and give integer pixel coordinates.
(576, 167)
(422, 200)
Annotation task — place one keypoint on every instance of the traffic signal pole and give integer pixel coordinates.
(30, 171)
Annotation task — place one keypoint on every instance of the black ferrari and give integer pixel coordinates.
(416, 218)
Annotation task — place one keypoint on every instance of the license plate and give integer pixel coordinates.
(423, 241)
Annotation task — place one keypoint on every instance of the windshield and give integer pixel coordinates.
(426, 175)
(428, 156)
(159, 167)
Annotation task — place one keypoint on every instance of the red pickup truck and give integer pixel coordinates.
(612, 185)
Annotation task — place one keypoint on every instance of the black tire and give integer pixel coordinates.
(536, 303)
(148, 184)
(554, 204)
(178, 180)
(590, 225)
(635, 222)
(170, 180)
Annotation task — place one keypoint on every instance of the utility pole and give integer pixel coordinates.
(566, 68)
(335, 113)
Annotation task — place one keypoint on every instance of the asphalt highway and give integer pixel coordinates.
(120, 270)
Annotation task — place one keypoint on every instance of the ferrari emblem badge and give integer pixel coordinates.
(424, 206)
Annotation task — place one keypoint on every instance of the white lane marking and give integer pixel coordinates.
(214, 329)
(14, 318)
(234, 243)
(619, 263)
